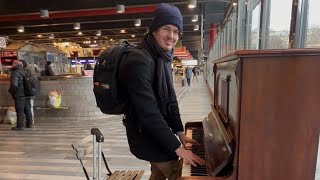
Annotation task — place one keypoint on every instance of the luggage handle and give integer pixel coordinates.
(99, 136)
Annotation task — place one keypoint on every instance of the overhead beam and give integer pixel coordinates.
(78, 13)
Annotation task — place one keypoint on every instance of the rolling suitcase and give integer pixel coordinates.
(98, 138)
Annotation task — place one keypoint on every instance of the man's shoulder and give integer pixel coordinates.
(138, 56)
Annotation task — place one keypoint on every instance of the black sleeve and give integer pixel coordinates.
(14, 83)
(139, 82)
(174, 108)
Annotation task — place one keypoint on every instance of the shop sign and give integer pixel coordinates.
(189, 62)
(88, 72)
(3, 43)
(7, 60)
(8, 53)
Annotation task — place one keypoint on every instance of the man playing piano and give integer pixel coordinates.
(152, 117)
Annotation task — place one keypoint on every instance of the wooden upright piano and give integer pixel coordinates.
(265, 120)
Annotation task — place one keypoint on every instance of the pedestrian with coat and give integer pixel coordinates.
(152, 119)
(188, 75)
(21, 101)
(48, 69)
(30, 71)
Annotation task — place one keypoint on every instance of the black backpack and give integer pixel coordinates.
(105, 77)
(31, 85)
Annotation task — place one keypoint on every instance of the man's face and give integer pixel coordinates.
(167, 36)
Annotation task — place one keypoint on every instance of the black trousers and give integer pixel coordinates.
(188, 80)
(23, 106)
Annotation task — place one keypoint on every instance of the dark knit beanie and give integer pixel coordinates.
(166, 14)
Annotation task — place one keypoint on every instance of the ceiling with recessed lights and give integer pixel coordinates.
(83, 21)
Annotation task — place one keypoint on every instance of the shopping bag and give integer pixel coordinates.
(54, 99)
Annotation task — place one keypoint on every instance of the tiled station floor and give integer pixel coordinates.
(45, 152)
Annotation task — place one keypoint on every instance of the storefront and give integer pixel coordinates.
(37, 55)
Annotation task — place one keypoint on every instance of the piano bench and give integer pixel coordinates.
(126, 175)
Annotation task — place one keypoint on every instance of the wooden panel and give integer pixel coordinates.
(231, 68)
(279, 126)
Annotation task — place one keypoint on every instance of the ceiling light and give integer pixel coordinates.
(234, 4)
(120, 8)
(192, 4)
(80, 33)
(76, 26)
(39, 35)
(122, 31)
(20, 29)
(111, 39)
(44, 13)
(194, 18)
(133, 35)
(51, 36)
(137, 22)
(98, 33)
(196, 27)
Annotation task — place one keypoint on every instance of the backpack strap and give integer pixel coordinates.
(141, 51)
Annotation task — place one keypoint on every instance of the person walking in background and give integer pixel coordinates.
(152, 118)
(188, 74)
(21, 102)
(195, 73)
(30, 71)
(48, 69)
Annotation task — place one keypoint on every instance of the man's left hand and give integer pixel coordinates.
(185, 139)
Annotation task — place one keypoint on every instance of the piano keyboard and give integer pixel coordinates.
(197, 134)
(188, 170)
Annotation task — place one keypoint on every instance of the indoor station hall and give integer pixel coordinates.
(45, 152)
(139, 80)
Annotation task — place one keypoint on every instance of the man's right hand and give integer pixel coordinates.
(189, 156)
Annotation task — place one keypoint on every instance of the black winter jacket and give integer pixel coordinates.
(150, 132)
(16, 82)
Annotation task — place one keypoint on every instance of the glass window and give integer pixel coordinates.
(225, 40)
(277, 24)
(230, 35)
(253, 24)
(234, 31)
(313, 30)
(223, 47)
(241, 23)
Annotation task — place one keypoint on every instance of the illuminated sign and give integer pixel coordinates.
(83, 61)
(189, 62)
